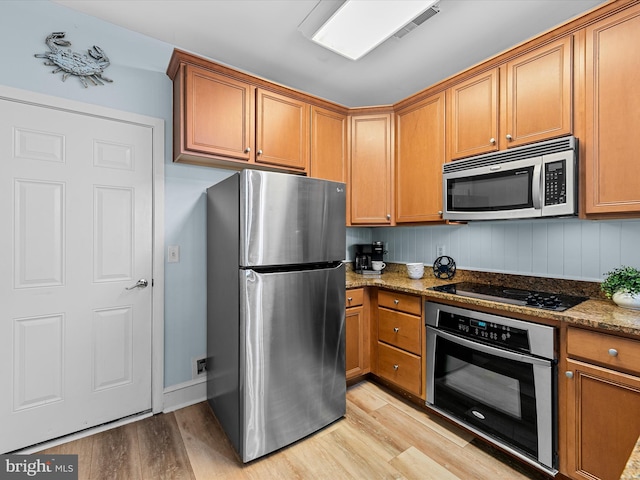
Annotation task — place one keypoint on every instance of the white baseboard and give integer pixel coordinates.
(184, 394)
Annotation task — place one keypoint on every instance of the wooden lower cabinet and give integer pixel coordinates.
(400, 334)
(602, 409)
(357, 334)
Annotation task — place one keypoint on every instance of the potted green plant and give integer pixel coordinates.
(622, 285)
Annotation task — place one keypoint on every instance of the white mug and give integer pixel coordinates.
(377, 265)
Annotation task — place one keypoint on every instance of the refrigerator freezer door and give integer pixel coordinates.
(288, 219)
(292, 356)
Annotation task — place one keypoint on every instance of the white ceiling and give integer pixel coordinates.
(262, 37)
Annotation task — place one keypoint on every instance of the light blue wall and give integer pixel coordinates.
(571, 249)
(558, 248)
(140, 85)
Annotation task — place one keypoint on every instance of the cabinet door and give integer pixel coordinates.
(539, 94)
(371, 169)
(420, 153)
(473, 118)
(218, 115)
(282, 131)
(612, 114)
(355, 346)
(603, 421)
(328, 145)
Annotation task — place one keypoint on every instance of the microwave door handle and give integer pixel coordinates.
(535, 190)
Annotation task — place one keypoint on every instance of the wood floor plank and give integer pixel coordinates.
(453, 457)
(209, 451)
(437, 424)
(412, 463)
(365, 398)
(115, 454)
(381, 436)
(162, 452)
(82, 447)
(359, 456)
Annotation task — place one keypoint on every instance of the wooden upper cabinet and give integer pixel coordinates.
(420, 153)
(218, 115)
(473, 115)
(539, 94)
(371, 170)
(282, 126)
(329, 153)
(612, 114)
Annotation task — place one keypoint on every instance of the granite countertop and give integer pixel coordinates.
(596, 312)
(632, 470)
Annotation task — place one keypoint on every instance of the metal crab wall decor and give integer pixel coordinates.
(85, 67)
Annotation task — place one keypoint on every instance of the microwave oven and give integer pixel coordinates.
(537, 180)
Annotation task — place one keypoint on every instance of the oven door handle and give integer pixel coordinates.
(498, 352)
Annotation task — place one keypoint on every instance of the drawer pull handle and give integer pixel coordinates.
(613, 352)
(396, 329)
(396, 301)
(569, 374)
(349, 299)
(395, 367)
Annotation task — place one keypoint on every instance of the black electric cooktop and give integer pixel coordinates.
(513, 296)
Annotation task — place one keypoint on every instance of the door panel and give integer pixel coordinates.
(292, 355)
(76, 200)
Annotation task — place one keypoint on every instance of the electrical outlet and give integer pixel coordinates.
(199, 367)
(173, 254)
(440, 250)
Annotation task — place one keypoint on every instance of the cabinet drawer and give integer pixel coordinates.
(400, 301)
(609, 350)
(400, 367)
(354, 297)
(400, 330)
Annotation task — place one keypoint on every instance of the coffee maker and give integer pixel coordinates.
(366, 253)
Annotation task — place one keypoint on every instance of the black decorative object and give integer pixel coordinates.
(444, 267)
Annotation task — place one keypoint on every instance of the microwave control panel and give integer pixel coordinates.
(555, 183)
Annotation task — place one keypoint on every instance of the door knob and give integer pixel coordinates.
(142, 283)
(569, 374)
(509, 137)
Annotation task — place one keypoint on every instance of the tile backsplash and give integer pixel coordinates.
(558, 248)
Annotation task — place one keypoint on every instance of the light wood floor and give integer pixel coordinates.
(380, 437)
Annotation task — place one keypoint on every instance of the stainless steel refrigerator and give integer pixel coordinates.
(275, 308)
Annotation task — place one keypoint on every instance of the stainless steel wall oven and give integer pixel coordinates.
(496, 376)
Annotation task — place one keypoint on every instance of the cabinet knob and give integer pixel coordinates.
(396, 301)
(259, 152)
(247, 150)
(509, 137)
(395, 367)
(440, 212)
(569, 374)
(396, 329)
(388, 216)
(613, 352)
(492, 141)
(349, 299)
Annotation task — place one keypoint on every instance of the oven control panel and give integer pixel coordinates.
(493, 333)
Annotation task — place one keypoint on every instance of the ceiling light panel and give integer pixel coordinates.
(359, 26)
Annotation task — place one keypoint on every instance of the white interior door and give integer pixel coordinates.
(76, 215)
